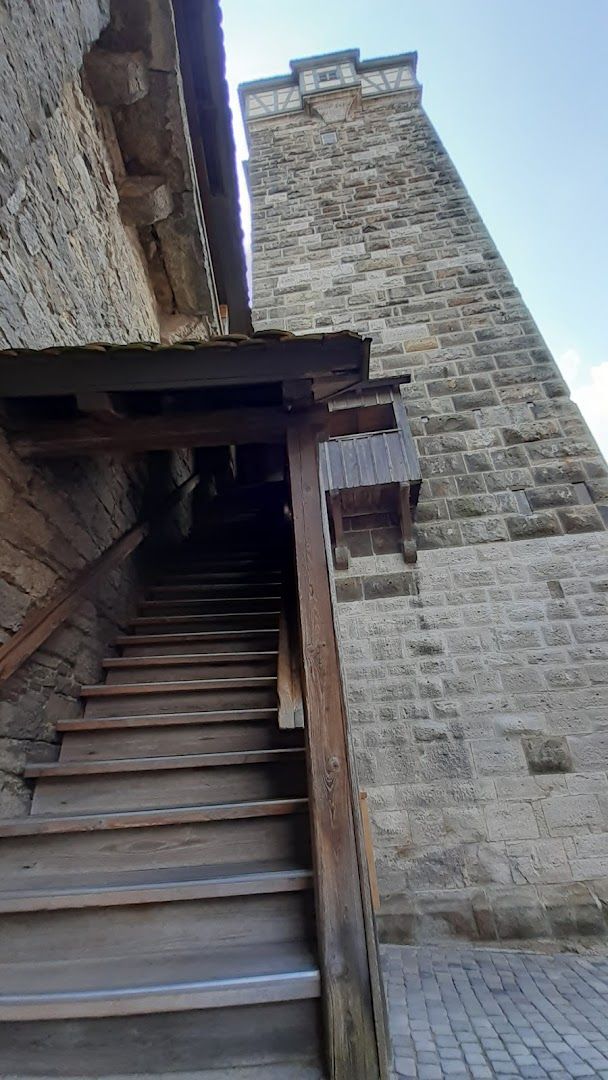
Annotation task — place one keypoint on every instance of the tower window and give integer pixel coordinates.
(328, 137)
(329, 75)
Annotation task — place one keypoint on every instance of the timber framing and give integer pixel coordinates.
(341, 359)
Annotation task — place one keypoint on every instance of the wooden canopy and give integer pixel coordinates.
(106, 399)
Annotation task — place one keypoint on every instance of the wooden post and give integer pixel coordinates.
(351, 1046)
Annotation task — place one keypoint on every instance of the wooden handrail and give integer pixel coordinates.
(355, 1045)
(39, 624)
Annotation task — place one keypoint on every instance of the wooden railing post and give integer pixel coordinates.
(351, 1037)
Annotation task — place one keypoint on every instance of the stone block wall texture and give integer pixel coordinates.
(477, 680)
(69, 273)
(69, 270)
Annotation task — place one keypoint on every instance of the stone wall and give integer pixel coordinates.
(478, 691)
(70, 272)
(376, 233)
(477, 680)
(54, 520)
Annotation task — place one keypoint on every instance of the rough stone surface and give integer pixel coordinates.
(375, 232)
(70, 273)
(53, 521)
(477, 680)
(69, 270)
(478, 705)
(484, 1013)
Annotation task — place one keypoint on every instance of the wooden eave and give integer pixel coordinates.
(332, 362)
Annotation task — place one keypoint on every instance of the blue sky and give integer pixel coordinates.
(517, 90)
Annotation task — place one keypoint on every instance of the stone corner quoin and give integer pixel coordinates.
(477, 680)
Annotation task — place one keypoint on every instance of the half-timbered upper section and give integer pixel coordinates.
(330, 72)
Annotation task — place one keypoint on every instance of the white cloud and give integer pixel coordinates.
(589, 388)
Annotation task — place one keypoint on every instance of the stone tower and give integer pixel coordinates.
(478, 679)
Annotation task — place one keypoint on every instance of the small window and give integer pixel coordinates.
(329, 75)
(328, 137)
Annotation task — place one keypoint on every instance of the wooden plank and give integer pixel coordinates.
(77, 371)
(40, 624)
(178, 719)
(139, 819)
(111, 690)
(122, 986)
(152, 764)
(167, 431)
(352, 1049)
(158, 885)
(289, 689)
(369, 851)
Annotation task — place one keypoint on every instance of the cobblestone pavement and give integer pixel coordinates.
(483, 1013)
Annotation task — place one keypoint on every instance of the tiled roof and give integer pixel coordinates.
(231, 341)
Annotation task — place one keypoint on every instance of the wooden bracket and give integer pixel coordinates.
(341, 549)
(408, 544)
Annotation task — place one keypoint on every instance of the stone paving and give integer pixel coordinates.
(483, 1013)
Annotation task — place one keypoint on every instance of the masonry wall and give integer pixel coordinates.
(69, 273)
(478, 679)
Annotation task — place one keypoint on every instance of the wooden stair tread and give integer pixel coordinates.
(114, 663)
(157, 982)
(152, 764)
(135, 819)
(159, 885)
(213, 716)
(171, 620)
(100, 690)
(187, 600)
(204, 635)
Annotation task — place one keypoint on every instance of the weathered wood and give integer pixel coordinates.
(168, 431)
(289, 687)
(55, 769)
(341, 550)
(349, 1019)
(159, 885)
(40, 624)
(369, 851)
(140, 819)
(219, 363)
(408, 544)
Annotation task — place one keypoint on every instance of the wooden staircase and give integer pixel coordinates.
(157, 905)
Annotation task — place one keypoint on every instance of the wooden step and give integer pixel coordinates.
(209, 641)
(190, 666)
(159, 885)
(134, 819)
(221, 605)
(194, 589)
(175, 843)
(234, 620)
(276, 1041)
(169, 740)
(57, 769)
(185, 695)
(157, 983)
(170, 787)
(239, 920)
(217, 577)
(202, 716)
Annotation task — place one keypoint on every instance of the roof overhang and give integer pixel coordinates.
(331, 362)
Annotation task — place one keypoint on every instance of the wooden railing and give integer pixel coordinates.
(353, 1003)
(40, 623)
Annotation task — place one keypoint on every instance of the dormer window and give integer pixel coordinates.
(328, 75)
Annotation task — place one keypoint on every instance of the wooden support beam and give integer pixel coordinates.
(166, 431)
(343, 358)
(351, 1036)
